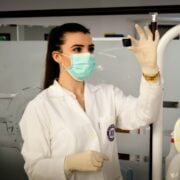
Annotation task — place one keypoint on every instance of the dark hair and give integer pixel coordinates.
(55, 40)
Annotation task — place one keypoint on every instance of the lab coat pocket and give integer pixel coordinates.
(107, 129)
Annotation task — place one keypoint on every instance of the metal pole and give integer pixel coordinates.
(158, 126)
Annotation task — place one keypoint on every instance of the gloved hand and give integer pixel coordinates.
(85, 161)
(145, 49)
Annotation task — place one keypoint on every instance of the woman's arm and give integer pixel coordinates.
(135, 112)
(131, 112)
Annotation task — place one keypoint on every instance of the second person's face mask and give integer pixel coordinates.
(82, 66)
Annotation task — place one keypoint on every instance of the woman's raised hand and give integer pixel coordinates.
(145, 49)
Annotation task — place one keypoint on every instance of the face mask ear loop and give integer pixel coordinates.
(63, 66)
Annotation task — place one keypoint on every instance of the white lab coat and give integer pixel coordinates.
(54, 125)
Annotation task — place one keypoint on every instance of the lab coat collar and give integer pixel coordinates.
(56, 90)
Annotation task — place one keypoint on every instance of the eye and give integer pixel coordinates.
(91, 49)
(77, 50)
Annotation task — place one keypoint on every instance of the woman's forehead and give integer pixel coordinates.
(77, 37)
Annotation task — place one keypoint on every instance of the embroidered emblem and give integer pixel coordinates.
(111, 132)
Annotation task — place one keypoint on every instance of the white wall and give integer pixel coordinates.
(6, 5)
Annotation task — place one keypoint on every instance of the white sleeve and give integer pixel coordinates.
(36, 150)
(135, 112)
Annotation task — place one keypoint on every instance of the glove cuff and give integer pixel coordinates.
(151, 78)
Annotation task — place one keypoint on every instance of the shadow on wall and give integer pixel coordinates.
(11, 164)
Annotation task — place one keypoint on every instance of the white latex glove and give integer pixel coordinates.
(85, 161)
(145, 49)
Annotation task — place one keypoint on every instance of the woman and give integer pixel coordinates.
(68, 129)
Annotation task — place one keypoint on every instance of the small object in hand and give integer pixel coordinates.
(153, 26)
(126, 42)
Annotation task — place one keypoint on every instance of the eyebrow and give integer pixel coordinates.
(80, 45)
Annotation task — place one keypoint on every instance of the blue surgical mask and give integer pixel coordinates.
(82, 66)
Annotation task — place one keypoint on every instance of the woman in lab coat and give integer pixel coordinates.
(69, 128)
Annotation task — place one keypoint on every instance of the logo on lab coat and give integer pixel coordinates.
(111, 132)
